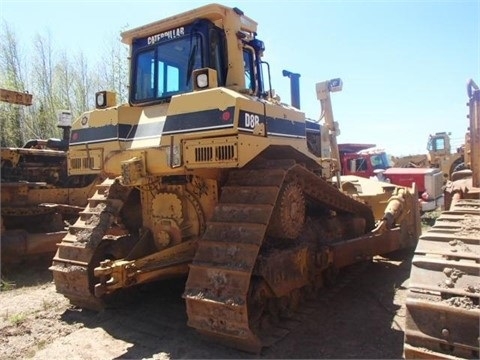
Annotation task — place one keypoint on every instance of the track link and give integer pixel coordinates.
(220, 278)
(443, 299)
(80, 250)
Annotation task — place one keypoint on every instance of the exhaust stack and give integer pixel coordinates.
(294, 87)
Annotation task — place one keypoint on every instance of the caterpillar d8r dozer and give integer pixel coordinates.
(443, 309)
(210, 176)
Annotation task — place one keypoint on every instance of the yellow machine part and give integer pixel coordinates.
(443, 297)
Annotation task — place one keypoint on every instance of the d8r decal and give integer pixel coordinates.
(248, 120)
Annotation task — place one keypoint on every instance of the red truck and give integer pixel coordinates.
(429, 183)
(363, 159)
(366, 160)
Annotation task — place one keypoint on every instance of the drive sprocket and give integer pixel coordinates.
(288, 216)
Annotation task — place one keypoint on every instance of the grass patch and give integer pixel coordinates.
(17, 319)
(41, 344)
(6, 285)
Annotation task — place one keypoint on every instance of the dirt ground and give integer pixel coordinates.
(362, 316)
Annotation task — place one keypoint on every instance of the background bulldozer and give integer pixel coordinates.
(210, 177)
(440, 155)
(443, 309)
(38, 197)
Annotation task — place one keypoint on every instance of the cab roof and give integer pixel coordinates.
(221, 15)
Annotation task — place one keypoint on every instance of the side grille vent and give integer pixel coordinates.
(82, 163)
(222, 153)
(226, 152)
(211, 153)
(87, 163)
(203, 154)
(76, 163)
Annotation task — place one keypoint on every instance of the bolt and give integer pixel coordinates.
(105, 263)
(445, 333)
(447, 271)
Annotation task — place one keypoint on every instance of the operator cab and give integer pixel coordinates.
(439, 143)
(190, 57)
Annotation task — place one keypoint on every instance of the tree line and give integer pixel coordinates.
(58, 80)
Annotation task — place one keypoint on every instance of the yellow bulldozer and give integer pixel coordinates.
(38, 197)
(440, 155)
(210, 177)
(442, 303)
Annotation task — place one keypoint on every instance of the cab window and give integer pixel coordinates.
(248, 63)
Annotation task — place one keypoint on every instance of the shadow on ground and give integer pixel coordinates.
(361, 317)
(25, 273)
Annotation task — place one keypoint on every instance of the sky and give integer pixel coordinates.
(404, 64)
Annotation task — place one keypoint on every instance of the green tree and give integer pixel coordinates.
(58, 80)
(48, 99)
(113, 68)
(12, 117)
(83, 86)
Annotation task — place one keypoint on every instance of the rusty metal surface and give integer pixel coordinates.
(241, 280)
(19, 245)
(16, 97)
(443, 299)
(38, 198)
(217, 288)
(80, 250)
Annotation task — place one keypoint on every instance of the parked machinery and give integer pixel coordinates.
(362, 159)
(367, 161)
(210, 176)
(443, 309)
(440, 155)
(38, 197)
(429, 182)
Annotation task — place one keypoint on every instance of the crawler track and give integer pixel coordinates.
(443, 299)
(81, 249)
(222, 285)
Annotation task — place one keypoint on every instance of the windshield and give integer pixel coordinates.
(379, 161)
(165, 69)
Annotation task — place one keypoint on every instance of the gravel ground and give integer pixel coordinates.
(360, 317)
